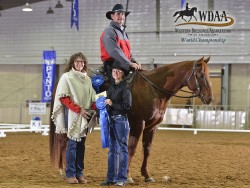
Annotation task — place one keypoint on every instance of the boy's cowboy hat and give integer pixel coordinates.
(117, 65)
(116, 8)
(121, 66)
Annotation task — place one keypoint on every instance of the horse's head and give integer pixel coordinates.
(194, 9)
(199, 81)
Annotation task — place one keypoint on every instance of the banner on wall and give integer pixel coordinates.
(75, 14)
(49, 75)
(182, 3)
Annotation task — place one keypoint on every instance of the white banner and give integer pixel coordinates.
(37, 108)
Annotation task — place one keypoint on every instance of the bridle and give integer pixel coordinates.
(196, 93)
(198, 87)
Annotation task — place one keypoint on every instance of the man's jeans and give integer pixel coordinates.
(118, 149)
(75, 158)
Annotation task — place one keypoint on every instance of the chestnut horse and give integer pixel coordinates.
(150, 92)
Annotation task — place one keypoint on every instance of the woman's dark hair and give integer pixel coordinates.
(72, 58)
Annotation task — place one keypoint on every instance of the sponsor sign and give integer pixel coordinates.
(203, 26)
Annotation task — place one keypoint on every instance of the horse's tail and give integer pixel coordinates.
(176, 13)
(57, 142)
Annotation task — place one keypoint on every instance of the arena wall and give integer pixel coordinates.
(153, 36)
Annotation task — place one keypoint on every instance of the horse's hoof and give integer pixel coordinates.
(150, 180)
(130, 181)
(62, 173)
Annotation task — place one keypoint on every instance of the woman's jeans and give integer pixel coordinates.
(75, 158)
(118, 149)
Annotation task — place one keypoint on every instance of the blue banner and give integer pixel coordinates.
(49, 75)
(75, 14)
(182, 3)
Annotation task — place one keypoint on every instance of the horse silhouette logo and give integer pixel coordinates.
(188, 12)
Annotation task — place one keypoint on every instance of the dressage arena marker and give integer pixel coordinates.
(4, 128)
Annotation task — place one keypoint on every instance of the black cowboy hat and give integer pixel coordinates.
(116, 8)
(117, 65)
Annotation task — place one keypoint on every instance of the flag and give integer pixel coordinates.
(182, 3)
(49, 75)
(75, 14)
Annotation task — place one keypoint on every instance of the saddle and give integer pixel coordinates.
(97, 71)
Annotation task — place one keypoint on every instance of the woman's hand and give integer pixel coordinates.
(108, 101)
(84, 113)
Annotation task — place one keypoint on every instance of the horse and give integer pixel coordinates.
(151, 89)
(189, 13)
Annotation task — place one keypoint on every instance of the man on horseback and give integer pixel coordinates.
(114, 42)
(187, 8)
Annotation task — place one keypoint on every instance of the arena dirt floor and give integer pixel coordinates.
(206, 159)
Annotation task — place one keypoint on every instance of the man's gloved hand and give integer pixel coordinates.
(136, 66)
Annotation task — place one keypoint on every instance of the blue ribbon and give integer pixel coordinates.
(75, 14)
(104, 121)
(97, 81)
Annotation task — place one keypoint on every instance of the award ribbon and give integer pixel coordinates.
(97, 81)
(104, 121)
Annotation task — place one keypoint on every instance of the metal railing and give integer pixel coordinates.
(197, 116)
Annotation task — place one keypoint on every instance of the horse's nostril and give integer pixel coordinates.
(210, 99)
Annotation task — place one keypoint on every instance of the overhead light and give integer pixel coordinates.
(27, 8)
(59, 5)
(50, 11)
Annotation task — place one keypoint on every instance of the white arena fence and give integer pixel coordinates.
(7, 128)
(16, 118)
(206, 118)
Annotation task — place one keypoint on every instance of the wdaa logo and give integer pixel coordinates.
(208, 18)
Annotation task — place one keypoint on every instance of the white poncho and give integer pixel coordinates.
(78, 87)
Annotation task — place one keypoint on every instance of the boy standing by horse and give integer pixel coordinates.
(119, 102)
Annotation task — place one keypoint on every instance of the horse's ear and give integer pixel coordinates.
(201, 59)
(206, 60)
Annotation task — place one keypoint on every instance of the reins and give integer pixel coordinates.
(171, 93)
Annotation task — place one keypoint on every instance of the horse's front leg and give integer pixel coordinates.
(132, 145)
(147, 139)
(135, 133)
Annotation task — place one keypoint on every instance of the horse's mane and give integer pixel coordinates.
(167, 67)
